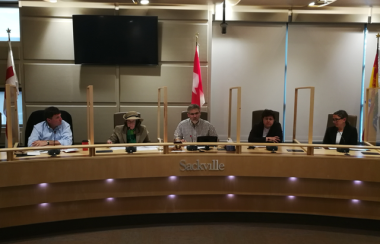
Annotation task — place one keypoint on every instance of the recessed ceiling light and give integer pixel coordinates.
(321, 3)
(144, 1)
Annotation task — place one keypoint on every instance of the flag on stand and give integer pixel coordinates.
(373, 108)
(197, 92)
(11, 79)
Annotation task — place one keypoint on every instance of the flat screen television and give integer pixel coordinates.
(115, 40)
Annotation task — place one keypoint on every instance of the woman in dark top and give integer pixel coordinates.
(342, 132)
(268, 130)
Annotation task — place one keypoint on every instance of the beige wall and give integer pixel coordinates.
(50, 76)
(251, 55)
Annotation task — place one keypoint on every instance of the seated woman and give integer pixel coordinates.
(342, 132)
(268, 130)
(131, 132)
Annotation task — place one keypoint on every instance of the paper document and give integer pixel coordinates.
(147, 148)
(71, 150)
(117, 148)
(33, 153)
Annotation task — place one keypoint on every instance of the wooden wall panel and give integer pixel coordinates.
(140, 84)
(158, 165)
(178, 41)
(47, 38)
(54, 83)
(4, 47)
(194, 203)
(163, 186)
(63, 11)
(168, 14)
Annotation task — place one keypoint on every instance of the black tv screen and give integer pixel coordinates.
(119, 40)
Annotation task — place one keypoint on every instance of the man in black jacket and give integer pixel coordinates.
(268, 130)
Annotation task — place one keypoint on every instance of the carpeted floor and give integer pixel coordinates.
(238, 233)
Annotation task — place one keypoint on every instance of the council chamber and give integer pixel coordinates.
(303, 63)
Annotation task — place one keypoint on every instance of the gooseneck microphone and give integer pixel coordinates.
(344, 150)
(192, 147)
(54, 152)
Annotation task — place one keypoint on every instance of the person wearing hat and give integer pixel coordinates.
(131, 132)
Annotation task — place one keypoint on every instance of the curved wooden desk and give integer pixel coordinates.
(81, 186)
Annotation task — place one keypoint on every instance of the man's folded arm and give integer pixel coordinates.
(67, 136)
(34, 136)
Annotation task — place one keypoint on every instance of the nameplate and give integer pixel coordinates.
(198, 166)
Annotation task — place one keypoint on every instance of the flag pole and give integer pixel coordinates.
(197, 36)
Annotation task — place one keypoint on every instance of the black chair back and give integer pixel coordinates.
(118, 119)
(38, 116)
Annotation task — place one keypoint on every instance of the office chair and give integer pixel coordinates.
(118, 119)
(38, 116)
(352, 119)
(256, 116)
(204, 115)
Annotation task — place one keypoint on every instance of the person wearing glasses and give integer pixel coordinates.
(268, 130)
(131, 132)
(342, 132)
(189, 129)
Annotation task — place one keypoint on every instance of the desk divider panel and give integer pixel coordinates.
(12, 129)
(238, 117)
(90, 118)
(166, 148)
(310, 150)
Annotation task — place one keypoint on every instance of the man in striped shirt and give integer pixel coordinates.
(189, 129)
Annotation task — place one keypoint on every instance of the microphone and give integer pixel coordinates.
(272, 148)
(54, 152)
(344, 150)
(192, 147)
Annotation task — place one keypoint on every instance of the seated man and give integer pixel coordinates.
(342, 132)
(52, 131)
(189, 129)
(131, 132)
(268, 130)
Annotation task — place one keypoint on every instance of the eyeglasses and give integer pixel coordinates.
(334, 120)
(194, 113)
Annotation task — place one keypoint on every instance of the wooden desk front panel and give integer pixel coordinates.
(77, 187)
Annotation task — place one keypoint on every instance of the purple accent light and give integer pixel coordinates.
(231, 177)
(43, 184)
(293, 178)
(355, 200)
(357, 182)
(230, 195)
(110, 199)
(109, 180)
(171, 196)
(44, 204)
(291, 197)
(172, 177)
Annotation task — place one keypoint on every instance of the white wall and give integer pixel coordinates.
(251, 56)
(328, 57)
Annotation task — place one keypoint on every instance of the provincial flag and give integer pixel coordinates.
(198, 96)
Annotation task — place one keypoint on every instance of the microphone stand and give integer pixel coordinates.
(54, 152)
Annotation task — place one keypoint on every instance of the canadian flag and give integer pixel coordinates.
(11, 79)
(197, 92)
